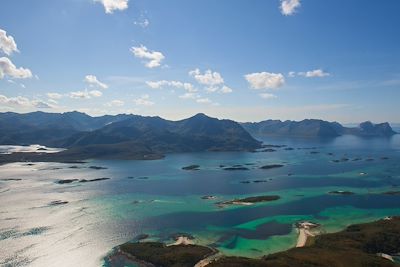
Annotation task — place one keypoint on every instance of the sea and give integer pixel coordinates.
(334, 182)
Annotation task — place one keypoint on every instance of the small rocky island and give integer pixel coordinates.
(249, 200)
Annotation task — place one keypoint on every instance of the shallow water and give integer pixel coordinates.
(160, 199)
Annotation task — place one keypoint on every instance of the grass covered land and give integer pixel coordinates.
(160, 254)
(359, 245)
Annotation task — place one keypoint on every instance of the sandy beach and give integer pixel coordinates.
(305, 232)
(182, 240)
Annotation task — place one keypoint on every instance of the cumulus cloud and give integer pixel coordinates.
(203, 101)
(265, 80)
(115, 103)
(23, 102)
(153, 58)
(144, 100)
(85, 94)
(314, 73)
(267, 96)
(7, 43)
(94, 82)
(144, 23)
(9, 69)
(289, 7)
(111, 5)
(209, 77)
(189, 96)
(226, 90)
(54, 95)
(177, 84)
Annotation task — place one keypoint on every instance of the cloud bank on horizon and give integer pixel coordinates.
(158, 59)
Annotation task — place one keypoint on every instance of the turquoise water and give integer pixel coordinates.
(160, 199)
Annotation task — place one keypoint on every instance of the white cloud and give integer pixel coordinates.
(9, 69)
(40, 104)
(314, 73)
(292, 74)
(144, 100)
(288, 7)
(52, 101)
(115, 103)
(265, 80)
(94, 82)
(144, 23)
(95, 93)
(23, 102)
(267, 96)
(203, 101)
(54, 95)
(154, 58)
(111, 5)
(177, 84)
(85, 94)
(226, 90)
(209, 77)
(189, 96)
(7, 43)
(212, 89)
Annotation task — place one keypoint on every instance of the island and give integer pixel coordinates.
(249, 200)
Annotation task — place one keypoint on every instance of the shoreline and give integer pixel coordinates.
(305, 230)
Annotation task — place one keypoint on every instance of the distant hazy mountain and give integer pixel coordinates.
(121, 136)
(48, 128)
(315, 128)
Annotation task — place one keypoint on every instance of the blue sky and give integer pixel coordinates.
(243, 60)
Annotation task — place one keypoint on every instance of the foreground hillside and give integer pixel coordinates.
(359, 245)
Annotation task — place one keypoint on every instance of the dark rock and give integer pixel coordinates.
(271, 166)
(57, 203)
(67, 181)
(93, 180)
(191, 168)
(97, 168)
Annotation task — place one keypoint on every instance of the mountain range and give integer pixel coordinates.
(315, 128)
(121, 136)
(128, 136)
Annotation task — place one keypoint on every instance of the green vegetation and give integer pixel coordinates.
(357, 246)
(159, 254)
(256, 199)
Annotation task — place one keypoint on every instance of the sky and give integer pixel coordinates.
(337, 60)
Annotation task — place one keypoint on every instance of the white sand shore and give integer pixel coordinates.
(208, 260)
(303, 236)
(385, 256)
(242, 203)
(305, 232)
(182, 240)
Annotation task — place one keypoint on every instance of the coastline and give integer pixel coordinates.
(328, 250)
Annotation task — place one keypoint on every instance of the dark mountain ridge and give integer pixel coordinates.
(120, 136)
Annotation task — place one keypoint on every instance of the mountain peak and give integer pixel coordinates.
(201, 115)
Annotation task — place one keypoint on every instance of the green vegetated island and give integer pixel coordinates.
(361, 245)
(128, 136)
